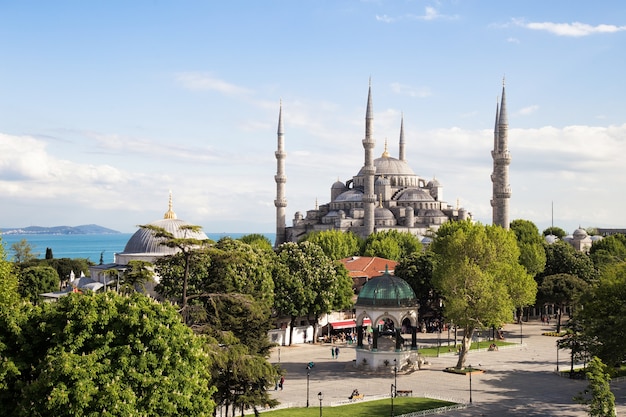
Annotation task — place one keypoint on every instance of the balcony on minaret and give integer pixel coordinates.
(503, 192)
(280, 154)
(280, 202)
(503, 157)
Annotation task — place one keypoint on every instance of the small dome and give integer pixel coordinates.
(382, 181)
(144, 241)
(580, 233)
(415, 194)
(433, 183)
(387, 291)
(338, 185)
(551, 239)
(352, 195)
(381, 213)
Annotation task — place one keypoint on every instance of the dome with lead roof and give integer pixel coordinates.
(143, 240)
(387, 291)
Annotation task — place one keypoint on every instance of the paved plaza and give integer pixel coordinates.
(519, 380)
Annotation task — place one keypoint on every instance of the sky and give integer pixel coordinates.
(107, 106)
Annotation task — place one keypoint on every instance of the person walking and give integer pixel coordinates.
(332, 352)
(337, 352)
(281, 384)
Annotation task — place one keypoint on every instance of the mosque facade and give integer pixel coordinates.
(385, 194)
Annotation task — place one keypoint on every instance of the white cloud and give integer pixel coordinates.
(202, 81)
(575, 29)
(430, 13)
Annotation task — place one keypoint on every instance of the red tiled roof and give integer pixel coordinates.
(367, 266)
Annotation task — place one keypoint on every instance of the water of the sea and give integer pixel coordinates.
(87, 246)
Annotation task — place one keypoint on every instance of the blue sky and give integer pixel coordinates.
(106, 106)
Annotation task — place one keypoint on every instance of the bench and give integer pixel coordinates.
(404, 393)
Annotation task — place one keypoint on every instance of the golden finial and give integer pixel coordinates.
(385, 154)
(170, 213)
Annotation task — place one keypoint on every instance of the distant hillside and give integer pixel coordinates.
(87, 229)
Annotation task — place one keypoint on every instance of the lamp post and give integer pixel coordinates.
(520, 330)
(470, 374)
(394, 386)
(557, 357)
(308, 373)
(321, 397)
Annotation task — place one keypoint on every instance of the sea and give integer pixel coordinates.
(88, 246)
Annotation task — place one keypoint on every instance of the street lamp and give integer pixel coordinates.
(394, 386)
(321, 397)
(470, 374)
(520, 330)
(308, 373)
(557, 356)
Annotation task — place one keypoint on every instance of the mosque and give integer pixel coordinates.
(386, 194)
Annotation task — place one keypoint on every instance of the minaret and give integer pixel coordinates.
(281, 179)
(401, 150)
(369, 198)
(501, 161)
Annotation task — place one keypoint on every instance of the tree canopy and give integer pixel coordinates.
(104, 354)
(555, 231)
(417, 270)
(561, 290)
(478, 274)
(602, 317)
(309, 283)
(530, 243)
(335, 243)
(391, 244)
(36, 280)
(562, 258)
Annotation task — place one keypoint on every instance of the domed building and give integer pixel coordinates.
(143, 245)
(385, 194)
(389, 303)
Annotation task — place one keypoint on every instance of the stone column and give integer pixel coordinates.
(399, 340)
(375, 339)
(413, 337)
(359, 337)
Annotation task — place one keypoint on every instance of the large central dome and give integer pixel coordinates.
(388, 166)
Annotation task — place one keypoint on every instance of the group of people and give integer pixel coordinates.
(334, 351)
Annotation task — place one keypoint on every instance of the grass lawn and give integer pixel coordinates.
(483, 345)
(382, 408)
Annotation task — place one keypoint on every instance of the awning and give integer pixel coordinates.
(348, 324)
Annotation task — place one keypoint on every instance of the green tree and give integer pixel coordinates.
(562, 258)
(530, 243)
(417, 270)
(186, 245)
(391, 244)
(335, 243)
(230, 286)
(602, 316)
(36, 280)
(311, 285)
(608, 251)
(259, 240)
(65, 266)
(136, 277)
(562, 290)
(105, 354)
(598, 396)
(555, 231)
(23, 251)
(478, 274)
(242, 378)
(9, 294)
(49, 254)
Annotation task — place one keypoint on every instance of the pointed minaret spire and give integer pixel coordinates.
(401, 155)
(369, 198)
(495, 128)
(281, 202)
(501, 161)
